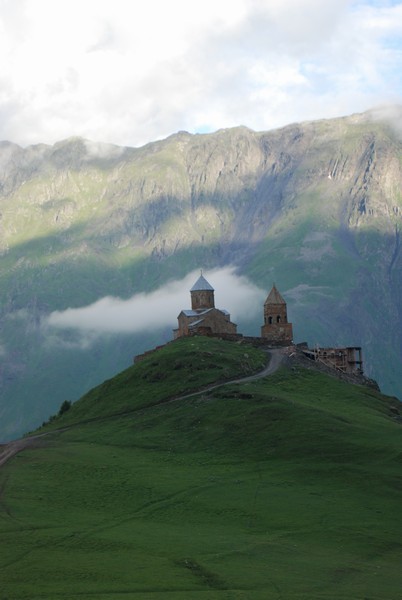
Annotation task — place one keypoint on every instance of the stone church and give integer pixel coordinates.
(203, 318)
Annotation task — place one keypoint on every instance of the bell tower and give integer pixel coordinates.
(276, 328)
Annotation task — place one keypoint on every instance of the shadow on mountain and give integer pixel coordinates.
(338, 294)
(301, 207)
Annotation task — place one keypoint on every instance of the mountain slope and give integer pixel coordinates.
(285, 487)
(315, 207)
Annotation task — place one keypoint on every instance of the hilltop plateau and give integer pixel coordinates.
(157, 485)
(315, 207)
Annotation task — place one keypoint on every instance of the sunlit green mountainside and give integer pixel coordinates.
(314, 207)
(284, 487)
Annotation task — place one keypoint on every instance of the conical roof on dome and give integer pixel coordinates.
(201, 285)
(274, 297)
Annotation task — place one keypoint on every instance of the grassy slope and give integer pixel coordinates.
(287, 487)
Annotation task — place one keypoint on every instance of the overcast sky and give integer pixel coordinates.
(129, 72)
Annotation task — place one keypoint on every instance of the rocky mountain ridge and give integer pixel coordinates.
(315, 207)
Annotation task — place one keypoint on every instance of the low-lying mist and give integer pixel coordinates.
(160, 308)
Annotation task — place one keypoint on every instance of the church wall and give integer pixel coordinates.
(278, 333)
(218, 322)
(214, 322)
(184, 322)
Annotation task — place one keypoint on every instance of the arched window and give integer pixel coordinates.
(270, 320)
(278, 319)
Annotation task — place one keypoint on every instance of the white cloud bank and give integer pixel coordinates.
(130, 72)
(158, 309)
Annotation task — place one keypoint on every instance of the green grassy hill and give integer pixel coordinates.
(287, 487)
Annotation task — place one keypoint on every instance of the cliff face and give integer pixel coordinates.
(315, 207)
